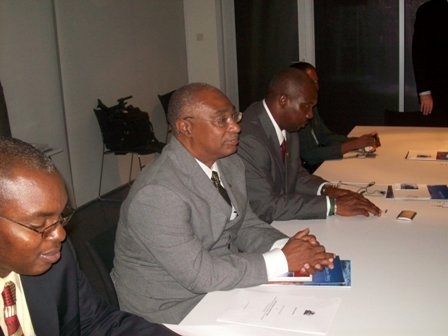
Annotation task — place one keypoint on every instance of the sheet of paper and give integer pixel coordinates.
(227, 329)
(305, 314)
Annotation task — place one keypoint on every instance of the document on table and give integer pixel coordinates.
(427, 154)
(306, 314)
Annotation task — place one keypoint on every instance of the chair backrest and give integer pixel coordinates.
(101, 251)
(165, 101)
(413, 118)
(125, 127)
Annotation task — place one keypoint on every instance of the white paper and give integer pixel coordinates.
(411, 191)
(305, 314)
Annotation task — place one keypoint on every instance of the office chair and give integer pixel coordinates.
(413, 118)
(101, 252)
(125, 129)
(165, 100)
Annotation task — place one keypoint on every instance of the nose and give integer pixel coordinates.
(234, 127)
(58, 233)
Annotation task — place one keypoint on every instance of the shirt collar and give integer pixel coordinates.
(281, 134)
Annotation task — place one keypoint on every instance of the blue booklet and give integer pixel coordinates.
(340, 275)
(438, 191)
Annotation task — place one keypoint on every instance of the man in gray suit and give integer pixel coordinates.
(279, 188)
(178, 238)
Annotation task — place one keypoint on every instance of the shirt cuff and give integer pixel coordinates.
(424, 93)
(276, 263)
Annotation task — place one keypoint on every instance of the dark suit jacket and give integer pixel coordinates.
(329, 142)
(176, 242)
(430, 50)
(61, 302)
(276, 191)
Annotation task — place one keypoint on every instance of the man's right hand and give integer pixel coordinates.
(304, 253)
(426, 104)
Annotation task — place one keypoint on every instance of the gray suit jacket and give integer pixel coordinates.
(276, 190)
(175, 241)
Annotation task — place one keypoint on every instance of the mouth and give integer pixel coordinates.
(51, 256)
(233, 141)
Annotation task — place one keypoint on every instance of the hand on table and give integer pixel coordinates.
(304, 253)
(352, 204)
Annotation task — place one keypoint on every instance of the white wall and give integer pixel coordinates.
(56, 61)
(111, 49)
(58, 57)
(211, 44)
(30, 76)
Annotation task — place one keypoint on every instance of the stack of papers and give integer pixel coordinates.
(305, 314)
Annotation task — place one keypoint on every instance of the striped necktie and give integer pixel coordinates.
(221, 189)
(10, 310)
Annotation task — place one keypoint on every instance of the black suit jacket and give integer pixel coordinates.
(61, 302)
(430, 50)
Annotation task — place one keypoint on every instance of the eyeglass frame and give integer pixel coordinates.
(45, 232)
(236, 117)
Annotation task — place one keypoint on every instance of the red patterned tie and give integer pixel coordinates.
(283, 150)
(10, 312)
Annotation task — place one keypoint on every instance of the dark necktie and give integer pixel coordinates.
(10, 311)
(283, 150)
(221, 190)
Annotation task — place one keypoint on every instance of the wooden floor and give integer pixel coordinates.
(90, 221)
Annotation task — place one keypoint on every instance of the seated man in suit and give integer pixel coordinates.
(186, 227)
(39, 269)
(279, 188)
(317, 142)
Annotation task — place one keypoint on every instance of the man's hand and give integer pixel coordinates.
(352, 204)
(366, 140)
(426, 104)
(304, 253)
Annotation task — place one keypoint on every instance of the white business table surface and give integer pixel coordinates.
(399, 269)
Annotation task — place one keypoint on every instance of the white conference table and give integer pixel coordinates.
(399, 271)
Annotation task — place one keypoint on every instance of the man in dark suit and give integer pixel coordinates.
(430, 55)
(317, 142)
(280, 188)
(52, 294)
(181, 236)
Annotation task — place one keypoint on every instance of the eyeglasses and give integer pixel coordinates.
(222, 121)
(45, 232)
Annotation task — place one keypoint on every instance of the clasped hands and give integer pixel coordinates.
(305, 254)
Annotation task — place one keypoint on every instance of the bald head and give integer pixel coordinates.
(290, 98)
(290, 82)
(187, 99)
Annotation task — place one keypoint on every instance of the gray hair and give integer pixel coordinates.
(184, 100)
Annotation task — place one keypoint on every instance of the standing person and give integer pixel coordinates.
(317, 142)
(52, 295)
(279, 188)
(180, 235)
(430, 55)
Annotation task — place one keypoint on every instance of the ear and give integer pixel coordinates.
(282, 100)
(183, 127)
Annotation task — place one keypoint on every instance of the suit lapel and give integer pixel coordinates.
(269, 129)
(42, 311)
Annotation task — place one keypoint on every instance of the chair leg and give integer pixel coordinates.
(130, 168)
(101, 180)
(101, 175)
